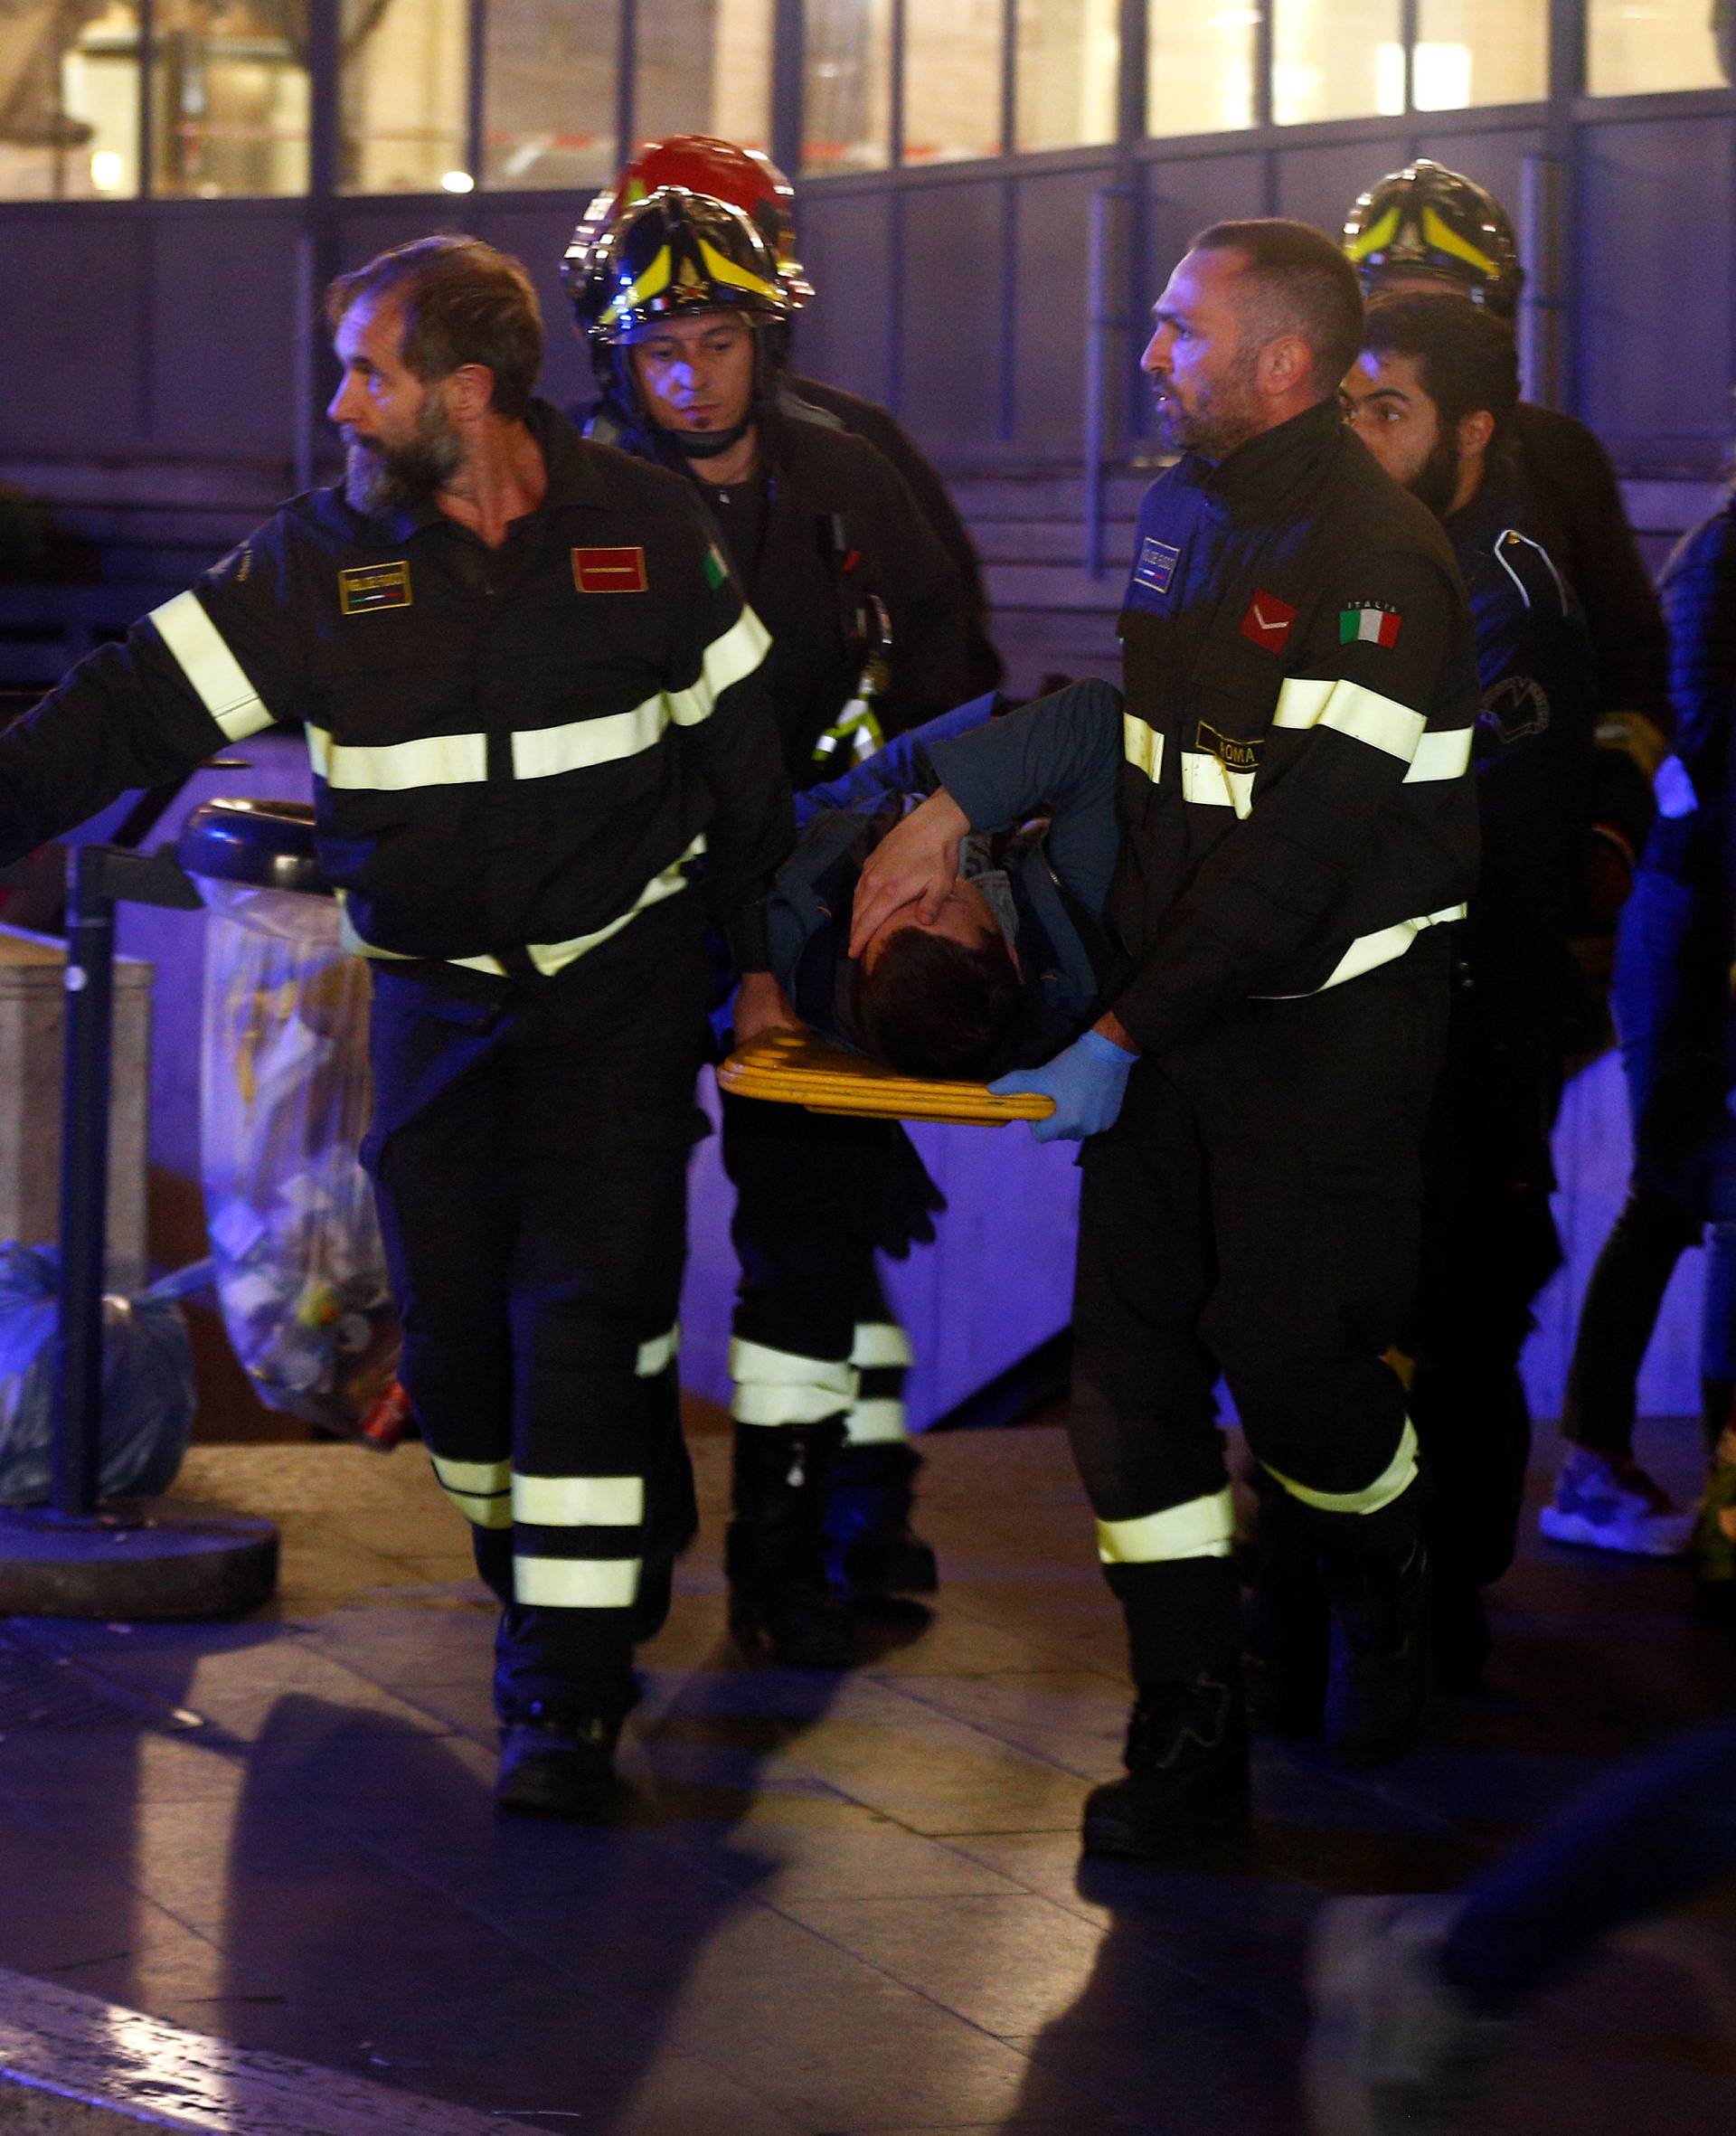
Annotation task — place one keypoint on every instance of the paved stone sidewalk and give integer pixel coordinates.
(844, 1907)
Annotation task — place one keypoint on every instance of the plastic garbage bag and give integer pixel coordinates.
(147, 1388)
(300, 1270)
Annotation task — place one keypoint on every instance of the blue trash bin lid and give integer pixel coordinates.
(268, 844)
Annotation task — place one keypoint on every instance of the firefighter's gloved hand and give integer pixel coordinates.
(1087, 1083)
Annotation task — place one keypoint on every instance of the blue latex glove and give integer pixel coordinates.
(1087, 1083)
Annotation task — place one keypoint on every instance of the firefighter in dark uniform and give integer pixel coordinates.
(531, 691)
(1432, 396)
(1299, 831)
(684, 310)
(1428, 229)
(747, 179)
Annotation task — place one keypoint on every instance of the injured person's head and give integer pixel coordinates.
(941, 998)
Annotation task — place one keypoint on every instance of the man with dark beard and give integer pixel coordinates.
(529, 687)
(1433, 396)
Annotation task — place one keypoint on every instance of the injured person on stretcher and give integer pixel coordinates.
(981, 948)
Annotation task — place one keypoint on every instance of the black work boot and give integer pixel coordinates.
(780, 1605)
(1187, 1773)
(1381, 1650)
(557, 1757)
(870, 1548)
(1287, 1622)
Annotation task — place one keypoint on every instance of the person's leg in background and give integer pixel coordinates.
(873, 1549)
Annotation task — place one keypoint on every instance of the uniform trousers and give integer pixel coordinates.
(1254, 1212)
(529, 1153)
(814, 1337)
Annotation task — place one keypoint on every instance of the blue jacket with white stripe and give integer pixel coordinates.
(513, 748)
(1301, 691)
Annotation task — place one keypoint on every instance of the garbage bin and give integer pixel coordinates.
(284, 1099)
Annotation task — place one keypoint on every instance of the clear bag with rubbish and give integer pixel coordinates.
(147, 1387)
(300, 1270)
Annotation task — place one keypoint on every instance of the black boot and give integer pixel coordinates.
(558, 1762)
(1187, 1773)
(780, 1605)
(1382, 1663)
(1287, 1622)
(870, 1548)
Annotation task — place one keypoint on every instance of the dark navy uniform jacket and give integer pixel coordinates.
(1061, 754)
(1301, 690)
(1535, 751)
(514, 750)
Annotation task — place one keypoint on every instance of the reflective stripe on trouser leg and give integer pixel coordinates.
(1392, 1482)
(781, 1387)
(481, 1490)
(1199, 1527)
(882, 1354)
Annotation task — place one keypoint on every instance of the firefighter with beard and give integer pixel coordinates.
(530, 692)
(681, 302)
(1428, 230)
(1433, 397)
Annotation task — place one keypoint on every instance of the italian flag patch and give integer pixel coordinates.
(716, 570)
(1369, 622)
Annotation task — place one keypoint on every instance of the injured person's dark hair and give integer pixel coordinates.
(934, 1008)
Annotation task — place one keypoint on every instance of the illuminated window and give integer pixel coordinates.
(847, 86)
(952, 80)
(69, 113)
(549, 81)
(1067, 63)
(1635, 46)
(1200, 68)
(402, 95)
(229, 98)
(1479, 51)
(1335, 58)
(704, 66)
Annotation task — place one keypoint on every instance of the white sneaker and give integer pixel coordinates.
(1394, 2050)
(1603, 1506)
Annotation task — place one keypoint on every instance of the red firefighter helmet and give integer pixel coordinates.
(742, 178)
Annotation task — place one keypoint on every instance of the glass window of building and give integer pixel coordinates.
(405, 64)
(229, 98)
(704, 66)
(847, 86)
(1200, 66)
(952, 80)
(548, 91)
(1067, 66)
(1634, 47)
(69, 101)
(1335, 58)
(1479, 51)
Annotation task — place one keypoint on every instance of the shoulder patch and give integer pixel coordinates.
(1156, 564)
(1370, 622)
(237, 565)
(1513, 707)
(716, 570)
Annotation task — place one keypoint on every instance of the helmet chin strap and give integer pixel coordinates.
(707, 444)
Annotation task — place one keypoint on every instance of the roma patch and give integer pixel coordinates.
(1369, 623)
(1235, 752)
(1268, 623)
(610, 571)
(1156, 564)
(362, 589)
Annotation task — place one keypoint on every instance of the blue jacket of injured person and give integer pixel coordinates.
(1057, 759)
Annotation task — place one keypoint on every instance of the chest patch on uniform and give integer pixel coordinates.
(1268, 623)
(1516, 706)
(610, 571)
(363, 588)
(1233, 753)
(1156, 564)
(1369, 623)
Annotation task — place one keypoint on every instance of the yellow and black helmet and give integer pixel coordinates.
(677, 251)
(1428, 221)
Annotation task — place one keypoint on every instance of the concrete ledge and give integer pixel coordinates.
(70, 2065)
